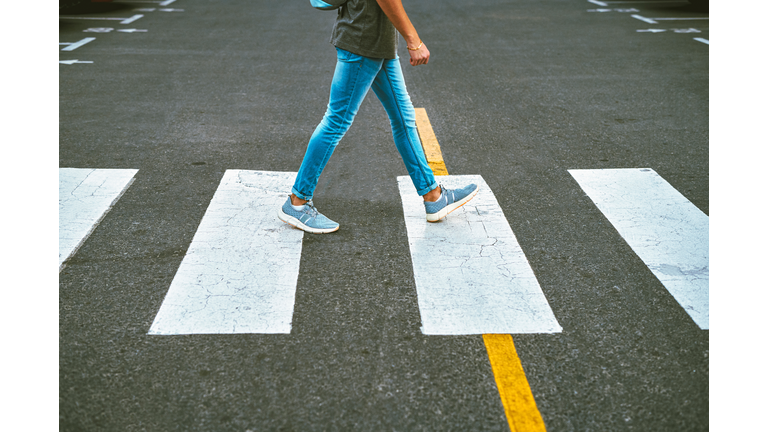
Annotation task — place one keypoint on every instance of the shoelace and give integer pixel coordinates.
(310, 209)
(445, 193)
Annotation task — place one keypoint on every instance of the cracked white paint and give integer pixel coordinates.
(471, 275)
(85, 196)
(665, 230)
(240, 272)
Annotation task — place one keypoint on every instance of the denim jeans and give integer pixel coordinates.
(353, 77)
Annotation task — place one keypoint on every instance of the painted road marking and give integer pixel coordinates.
(161, 3)
(71, 46)
(517, 398)
(687, 30)
(656, 20)
(471, 275)
(429, 142)
(122, 20)
(642, 18)
(519, 404)
(702, 40)
(240, 272)
(614, 10)
(70, 62)
(665, 230)
(637, 1)
(85, 197)
(109, 29)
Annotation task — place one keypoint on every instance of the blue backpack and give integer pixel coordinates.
(327, 5)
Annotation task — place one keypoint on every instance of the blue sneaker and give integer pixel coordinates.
(307, 219)
(450, 200)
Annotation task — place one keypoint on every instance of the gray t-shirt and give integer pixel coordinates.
(362, 28)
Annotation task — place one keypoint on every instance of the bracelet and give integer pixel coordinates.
(415, 49)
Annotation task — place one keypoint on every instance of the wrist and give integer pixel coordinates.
(415, 47)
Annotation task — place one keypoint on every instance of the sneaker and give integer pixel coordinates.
(450, 200)
(307, 219)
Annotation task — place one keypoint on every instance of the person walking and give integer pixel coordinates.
(366, 36)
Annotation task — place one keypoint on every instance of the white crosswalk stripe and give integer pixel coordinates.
(85, 196)
(239, 274)
(471, 275)
(665, 230)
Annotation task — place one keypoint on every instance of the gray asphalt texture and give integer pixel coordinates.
(516, 91)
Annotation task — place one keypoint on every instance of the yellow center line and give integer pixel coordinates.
(429, 143)
(514, 390)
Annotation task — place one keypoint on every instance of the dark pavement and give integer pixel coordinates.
(516, 91)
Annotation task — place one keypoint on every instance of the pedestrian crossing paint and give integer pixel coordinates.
(240, 272)
(471, 275)
(85, 196)
(665, 230)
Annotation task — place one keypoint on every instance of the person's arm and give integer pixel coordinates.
(394, 10)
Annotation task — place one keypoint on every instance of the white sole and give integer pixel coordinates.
(435, 217)
(292, 221)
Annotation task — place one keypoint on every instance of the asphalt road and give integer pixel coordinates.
(516, 91)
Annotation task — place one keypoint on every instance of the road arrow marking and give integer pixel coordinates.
(688, 30)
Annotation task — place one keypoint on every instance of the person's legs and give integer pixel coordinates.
(389, 87)
(351, 81)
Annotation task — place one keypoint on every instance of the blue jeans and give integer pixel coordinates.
(353, 77)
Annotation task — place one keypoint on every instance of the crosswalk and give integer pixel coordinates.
(240, 272)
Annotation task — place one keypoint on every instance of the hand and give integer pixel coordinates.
(419, 56)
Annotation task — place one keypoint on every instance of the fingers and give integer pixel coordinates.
(420, 56)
